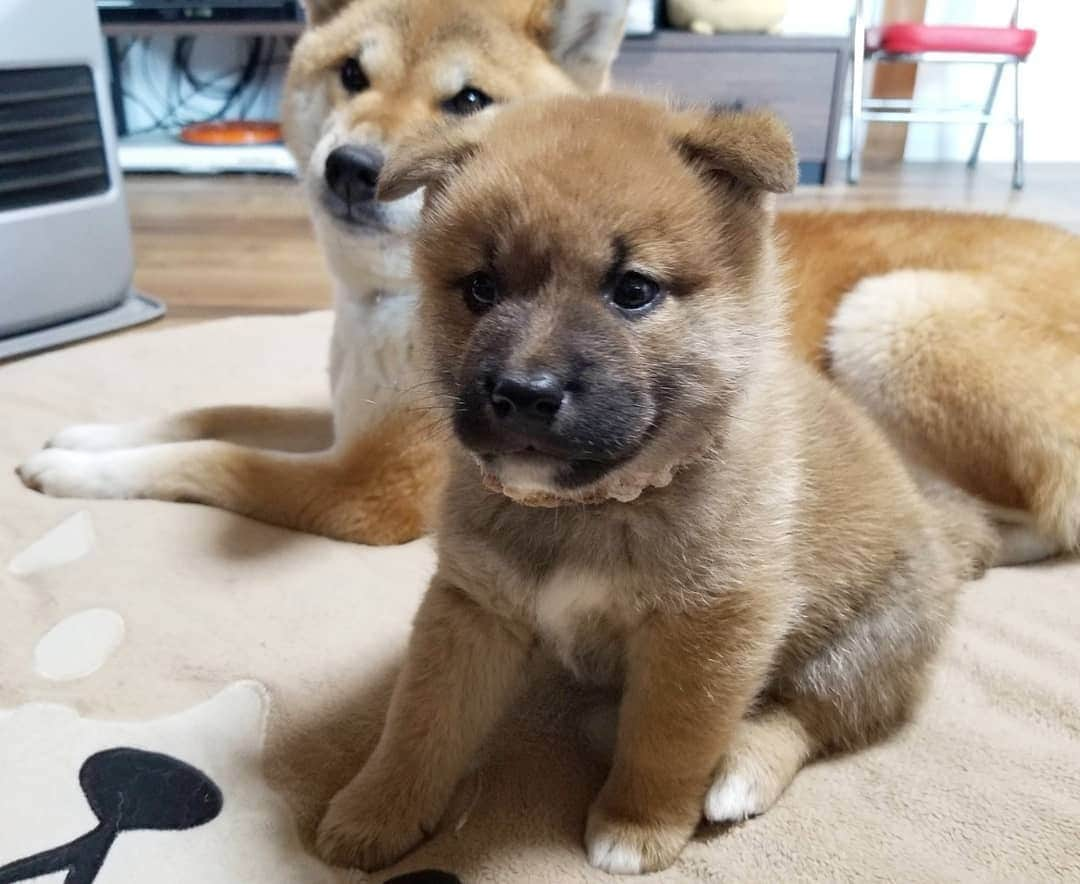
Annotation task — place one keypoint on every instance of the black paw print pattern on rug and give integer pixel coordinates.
(127, 789)
(427, 876)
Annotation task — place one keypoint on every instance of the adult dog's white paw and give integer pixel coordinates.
(61, 473)
(100, 437)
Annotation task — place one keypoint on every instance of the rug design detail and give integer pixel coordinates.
(127, 789)
(69, 541)
(78, 645)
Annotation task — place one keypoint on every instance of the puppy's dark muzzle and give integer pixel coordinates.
(526, 402)
(518, 412)
(526, 413)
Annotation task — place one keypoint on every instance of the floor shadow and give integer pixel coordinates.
(243, 539)
(309, 760)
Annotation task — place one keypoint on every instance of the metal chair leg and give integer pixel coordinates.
(1018, 123)
(855, 155)
(973, 160)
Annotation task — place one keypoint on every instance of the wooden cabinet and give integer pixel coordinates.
(801, 78)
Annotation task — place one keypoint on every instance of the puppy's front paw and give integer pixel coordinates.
(632, 847)
(366, 829)
(61, 473)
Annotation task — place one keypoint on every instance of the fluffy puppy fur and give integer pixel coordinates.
(754, 569)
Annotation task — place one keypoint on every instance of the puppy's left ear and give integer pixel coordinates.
(751, 147)
(429, 159)
(581, 36)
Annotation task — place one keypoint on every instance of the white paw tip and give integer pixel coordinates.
(71, 437)
(733, 798)
(609, 855)
(59, 472)
(93, 437)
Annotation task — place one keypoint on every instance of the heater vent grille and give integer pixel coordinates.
(51, 149)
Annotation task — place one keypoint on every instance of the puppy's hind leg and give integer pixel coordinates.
(280, 429)
(867, 679)
(766, 753)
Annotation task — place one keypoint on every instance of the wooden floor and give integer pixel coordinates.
(226, 245)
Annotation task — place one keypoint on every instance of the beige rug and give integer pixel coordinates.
(250, 666)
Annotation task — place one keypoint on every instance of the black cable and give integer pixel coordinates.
(243, 81)
(251, 78)
(263, 77)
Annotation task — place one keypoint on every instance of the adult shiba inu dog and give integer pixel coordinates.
(755, 570)
(959, 334)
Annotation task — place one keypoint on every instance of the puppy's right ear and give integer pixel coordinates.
(429, 160)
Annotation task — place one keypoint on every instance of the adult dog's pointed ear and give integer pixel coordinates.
(751, 147)
(430, 158)
(581, 36)
(318, 11)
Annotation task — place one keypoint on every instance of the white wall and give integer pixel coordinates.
(822, 17)
(1051, 86)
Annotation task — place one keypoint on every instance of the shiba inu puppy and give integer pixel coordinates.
(960, 334)
(645, 482)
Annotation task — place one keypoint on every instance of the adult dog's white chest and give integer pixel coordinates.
(372, 357)
(575, 612)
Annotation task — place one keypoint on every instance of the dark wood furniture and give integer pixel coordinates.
(801, 78)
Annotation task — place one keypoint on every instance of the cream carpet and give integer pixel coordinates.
(192, 686)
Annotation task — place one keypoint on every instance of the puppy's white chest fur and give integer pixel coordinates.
(570, 605)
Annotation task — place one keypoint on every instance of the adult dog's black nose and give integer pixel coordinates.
(536, 397)
(352, 172)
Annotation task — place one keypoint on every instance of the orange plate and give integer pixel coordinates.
(230, 133)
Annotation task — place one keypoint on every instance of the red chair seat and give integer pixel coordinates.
(908, 38)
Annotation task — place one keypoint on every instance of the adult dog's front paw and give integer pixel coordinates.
(365, 828)
(632, 847)
(99, 437)
(61, 473)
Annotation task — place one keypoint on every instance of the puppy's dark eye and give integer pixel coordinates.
(634, 291)
(469, 100)
(353, 77)
(480, 291)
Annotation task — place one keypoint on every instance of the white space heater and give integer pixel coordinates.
(65, 240)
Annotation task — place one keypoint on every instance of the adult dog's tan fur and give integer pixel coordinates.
(777, 586)
(960, 334)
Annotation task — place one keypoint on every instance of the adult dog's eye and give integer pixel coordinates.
(634, 291)
(480, 291)
(353, 77)
(469, 100)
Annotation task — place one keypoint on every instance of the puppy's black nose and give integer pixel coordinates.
(352, 172)
(536, 397)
